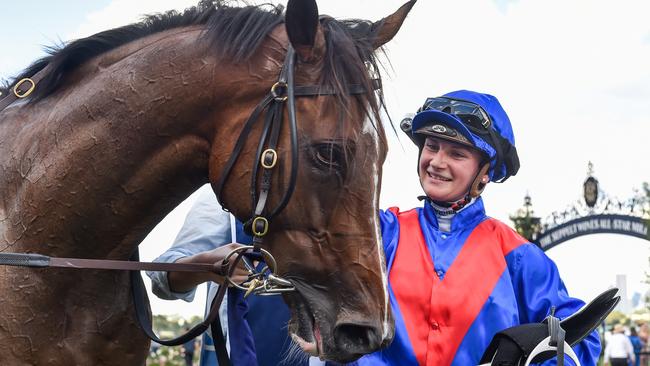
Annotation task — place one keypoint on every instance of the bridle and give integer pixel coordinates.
(267, 158)
(260, 282)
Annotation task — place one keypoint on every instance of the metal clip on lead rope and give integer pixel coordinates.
(262, 282)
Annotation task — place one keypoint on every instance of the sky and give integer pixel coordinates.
(574, 77)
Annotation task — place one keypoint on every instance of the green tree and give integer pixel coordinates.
(169, 326)
(617, 317)
(525, 222)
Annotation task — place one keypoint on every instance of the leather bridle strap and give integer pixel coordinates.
(279, 93)
(38, 260)
(22, 89)
(268, 158)
(139, 292)
(273, 102)
(314, 90)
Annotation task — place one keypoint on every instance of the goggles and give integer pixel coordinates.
(471, 114)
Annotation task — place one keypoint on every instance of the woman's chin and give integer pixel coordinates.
(438, 195)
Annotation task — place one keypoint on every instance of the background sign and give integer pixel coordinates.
(594, 224)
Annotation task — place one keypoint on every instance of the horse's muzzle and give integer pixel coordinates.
(354, 340)
(342, 334)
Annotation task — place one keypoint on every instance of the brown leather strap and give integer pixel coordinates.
(314, 90)
(38, 260)
(25, 87)
(21, 89)
(134, 266)
(140, 299)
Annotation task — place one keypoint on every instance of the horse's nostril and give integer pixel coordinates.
(357, 338)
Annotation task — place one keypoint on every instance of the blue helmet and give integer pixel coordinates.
(473, 119)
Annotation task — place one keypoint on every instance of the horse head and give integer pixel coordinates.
(327, 239)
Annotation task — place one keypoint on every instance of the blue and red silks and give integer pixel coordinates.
(451, 292)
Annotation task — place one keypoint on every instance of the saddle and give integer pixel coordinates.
(538, 342)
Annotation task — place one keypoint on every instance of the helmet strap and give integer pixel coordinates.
(458, 205)
(478, 185)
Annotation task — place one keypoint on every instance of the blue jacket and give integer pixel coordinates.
(452, 291)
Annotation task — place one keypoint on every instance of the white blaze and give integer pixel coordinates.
(370, 130)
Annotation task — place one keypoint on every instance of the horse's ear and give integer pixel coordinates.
(386, 28)
(304, 30)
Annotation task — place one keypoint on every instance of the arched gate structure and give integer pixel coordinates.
(594, 213)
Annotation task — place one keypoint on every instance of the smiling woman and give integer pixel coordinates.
(125, 124)
(448, 169)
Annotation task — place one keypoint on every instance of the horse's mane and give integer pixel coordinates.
(238, 31)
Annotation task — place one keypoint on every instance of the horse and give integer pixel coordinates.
(125, 124)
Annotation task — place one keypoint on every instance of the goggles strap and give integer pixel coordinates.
(496, 143)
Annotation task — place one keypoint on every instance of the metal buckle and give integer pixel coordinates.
(26, 93)
(269, 153)
(278, 94)
(263, 229)
(264, 282)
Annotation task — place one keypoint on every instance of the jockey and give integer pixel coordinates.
(457, 276)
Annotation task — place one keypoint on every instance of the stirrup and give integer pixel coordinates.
(545, 346)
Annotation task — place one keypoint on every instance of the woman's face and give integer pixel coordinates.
(447, 169)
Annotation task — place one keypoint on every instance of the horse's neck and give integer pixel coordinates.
(108, 157)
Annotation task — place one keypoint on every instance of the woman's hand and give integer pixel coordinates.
(186, 281)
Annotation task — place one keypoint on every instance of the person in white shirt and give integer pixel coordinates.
(619, 348)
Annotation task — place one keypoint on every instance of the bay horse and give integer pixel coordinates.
(127, 123)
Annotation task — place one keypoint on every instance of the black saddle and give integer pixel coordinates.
(538, 342)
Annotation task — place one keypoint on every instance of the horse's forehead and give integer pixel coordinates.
(325, 116)
(278, 37)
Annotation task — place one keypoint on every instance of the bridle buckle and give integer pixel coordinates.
(269, 158)
(260, 226)
(279, 91)
(20, 94)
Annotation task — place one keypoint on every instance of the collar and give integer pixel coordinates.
(468, 216)
(444, 211)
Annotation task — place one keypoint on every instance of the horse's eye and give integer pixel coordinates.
(328, 156)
